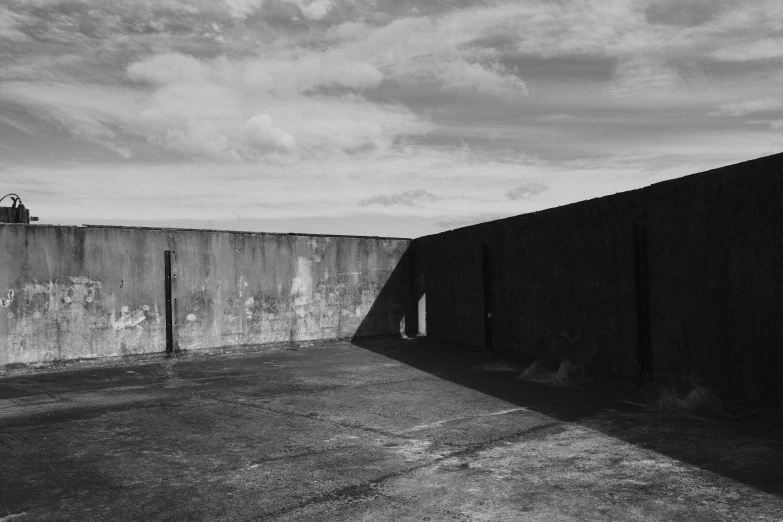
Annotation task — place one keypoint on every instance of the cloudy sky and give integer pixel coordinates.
(379, 117)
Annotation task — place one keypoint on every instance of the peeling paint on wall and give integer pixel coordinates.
(71, 317)
(128, 318)
(92, 292)
(6, 301)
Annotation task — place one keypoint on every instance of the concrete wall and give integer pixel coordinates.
(562, 285)
(716, 278)
(563, 282)
(76, 292)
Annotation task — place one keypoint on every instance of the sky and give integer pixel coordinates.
(378, 117)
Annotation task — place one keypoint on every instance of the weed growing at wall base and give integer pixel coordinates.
(168, 370)
(700, 399)
(566, 374)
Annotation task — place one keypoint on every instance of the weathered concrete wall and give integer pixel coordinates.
(716, 278)
(563, 281)
(562, 285)
(75, 292)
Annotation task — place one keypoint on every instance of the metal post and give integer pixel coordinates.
(169, 311)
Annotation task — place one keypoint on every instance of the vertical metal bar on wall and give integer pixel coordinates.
(642, 285)
(169, 311)
(488, 309)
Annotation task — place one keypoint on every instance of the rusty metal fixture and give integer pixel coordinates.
(17, 212)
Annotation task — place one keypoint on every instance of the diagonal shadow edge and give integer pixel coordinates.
(708, 444)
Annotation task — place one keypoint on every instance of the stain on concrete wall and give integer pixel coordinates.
(76, 292)
(564, 287)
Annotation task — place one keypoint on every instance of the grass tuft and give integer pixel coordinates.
(703, 399)
(565, 375)
(535, 372)
(568, 373)
(700, 399)
(669, 402)
(169, 370)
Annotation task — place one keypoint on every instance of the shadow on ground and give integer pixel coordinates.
(376, 430)
(741, 445)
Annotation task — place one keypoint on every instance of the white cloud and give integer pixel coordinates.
(348, 31)
(772, 124)
(766, 48)
(310, 9)
(407, 197)
(263, 132)
(242, 8)
(526, 190)
(557, 118)
(646, 78)
(169, 68)
(684, 12)
(419, 50)
(467, 187)
(463, 76)
(21, 127)
(452, 222)
(85, 111)
(307, 113)
(229, 109)
(9, 26)
(310, 71)
(316, 9)
(768, 103)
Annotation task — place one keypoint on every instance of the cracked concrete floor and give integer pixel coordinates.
(391, 430)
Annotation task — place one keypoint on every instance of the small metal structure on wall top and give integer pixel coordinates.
(16, 213)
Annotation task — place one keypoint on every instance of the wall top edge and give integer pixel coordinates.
(208, 230)
(681, 180)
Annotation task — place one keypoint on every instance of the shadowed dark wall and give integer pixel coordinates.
(564, 285)
(74, 292)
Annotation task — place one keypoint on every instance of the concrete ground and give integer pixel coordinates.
(394, 430)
